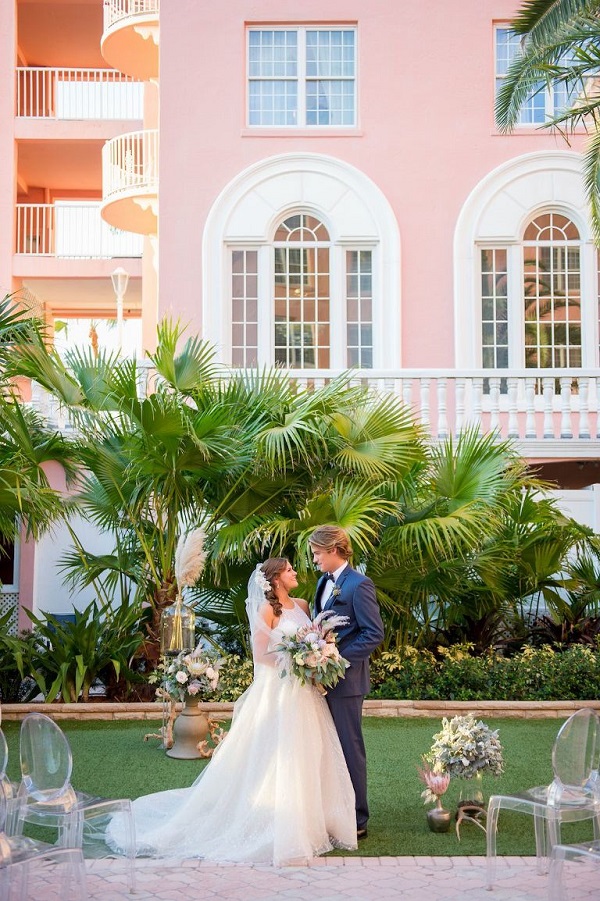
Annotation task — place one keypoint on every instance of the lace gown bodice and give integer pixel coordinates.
(277, 789)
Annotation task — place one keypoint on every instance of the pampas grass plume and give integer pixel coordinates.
(189, 558)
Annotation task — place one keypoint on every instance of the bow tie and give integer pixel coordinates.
(330, 576)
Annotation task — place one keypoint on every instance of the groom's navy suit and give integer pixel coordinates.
(353, 596)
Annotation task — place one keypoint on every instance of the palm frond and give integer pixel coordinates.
(540, 19)
(188, 369)
(591, 176)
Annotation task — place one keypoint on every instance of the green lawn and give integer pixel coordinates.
(111, 759)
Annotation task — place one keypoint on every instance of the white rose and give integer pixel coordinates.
(210, 673)
(181, 678)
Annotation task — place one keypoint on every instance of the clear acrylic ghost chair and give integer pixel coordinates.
(585, 853)
(8, 788)
(573, 794)
(23, 860)
(47, 798)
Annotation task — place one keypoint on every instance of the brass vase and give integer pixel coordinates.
(190, 728)
(438, 819)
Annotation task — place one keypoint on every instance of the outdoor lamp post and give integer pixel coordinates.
(120, 280)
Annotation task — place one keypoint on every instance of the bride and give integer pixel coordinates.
(277, 790)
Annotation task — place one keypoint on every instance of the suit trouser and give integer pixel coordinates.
(347, 717)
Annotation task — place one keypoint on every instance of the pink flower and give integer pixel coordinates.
(436, 783)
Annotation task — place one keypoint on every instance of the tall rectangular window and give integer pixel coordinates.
(244, 308)
(359, 308)
(302, 77)
(494, 309)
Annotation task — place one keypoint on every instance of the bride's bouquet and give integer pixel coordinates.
(311, 654)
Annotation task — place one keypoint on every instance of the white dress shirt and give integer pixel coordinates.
(329, 585)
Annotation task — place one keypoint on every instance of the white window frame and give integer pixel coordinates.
(357, 215)
(301, 77)
(549, 94)
(516, 329)
(13, 587)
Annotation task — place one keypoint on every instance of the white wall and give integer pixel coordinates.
(49, 593)
(582, 505)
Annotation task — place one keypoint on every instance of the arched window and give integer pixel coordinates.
(298, 252)
(302, 293)
(531, 299)
(552, 292)
(317, 319)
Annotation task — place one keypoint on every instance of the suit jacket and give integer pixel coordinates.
(355, 598)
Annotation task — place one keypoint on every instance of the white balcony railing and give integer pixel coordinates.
(548, 413)
(525, 405)
(115, 10)
(130, 164)
(71, 230)
(78, 94)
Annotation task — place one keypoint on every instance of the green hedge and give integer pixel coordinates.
(535, 674)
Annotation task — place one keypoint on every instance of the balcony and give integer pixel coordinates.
(131, 36)
(548, 414)
(78, 94)
(130, 182)
(71, 230)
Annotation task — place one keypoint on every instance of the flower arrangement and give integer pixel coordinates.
(311, 654)
(466, 747)
(436, 784)
(190, 675)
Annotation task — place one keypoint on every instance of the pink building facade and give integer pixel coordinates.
(317, 186)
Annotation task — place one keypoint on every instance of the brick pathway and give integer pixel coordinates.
(328, 879)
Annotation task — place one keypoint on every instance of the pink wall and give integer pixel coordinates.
(426, 135)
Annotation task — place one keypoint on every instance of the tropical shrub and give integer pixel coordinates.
(234, 678)
(15, 685)
(65, 658)
(534, 674)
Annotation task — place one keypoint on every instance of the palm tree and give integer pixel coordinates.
(26, 497)
(259, 463)
(560, 46)
(248, 456)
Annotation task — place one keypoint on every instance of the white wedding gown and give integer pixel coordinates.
(277, 790)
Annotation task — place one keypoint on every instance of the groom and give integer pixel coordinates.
(348, 593)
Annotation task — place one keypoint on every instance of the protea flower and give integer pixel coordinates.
(436, 784)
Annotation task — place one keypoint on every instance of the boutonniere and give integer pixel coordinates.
(336, 592)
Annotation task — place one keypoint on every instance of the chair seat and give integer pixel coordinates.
(571, 796)
(40, 813)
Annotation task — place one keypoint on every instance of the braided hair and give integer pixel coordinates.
(271, 568)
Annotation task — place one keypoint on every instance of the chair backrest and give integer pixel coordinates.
(46, 760)
(576, 748)
(3, 812)
(3, 755)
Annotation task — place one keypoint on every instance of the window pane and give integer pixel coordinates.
(543, 102)
(359, 332)
(327, 84)
(301, 292)
(244, 308)
(494, 312)
(551, 279)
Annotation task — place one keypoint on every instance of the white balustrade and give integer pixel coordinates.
(71, 230)
(517, 404)
(52, 93)
(115, 10)
(130, 163)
